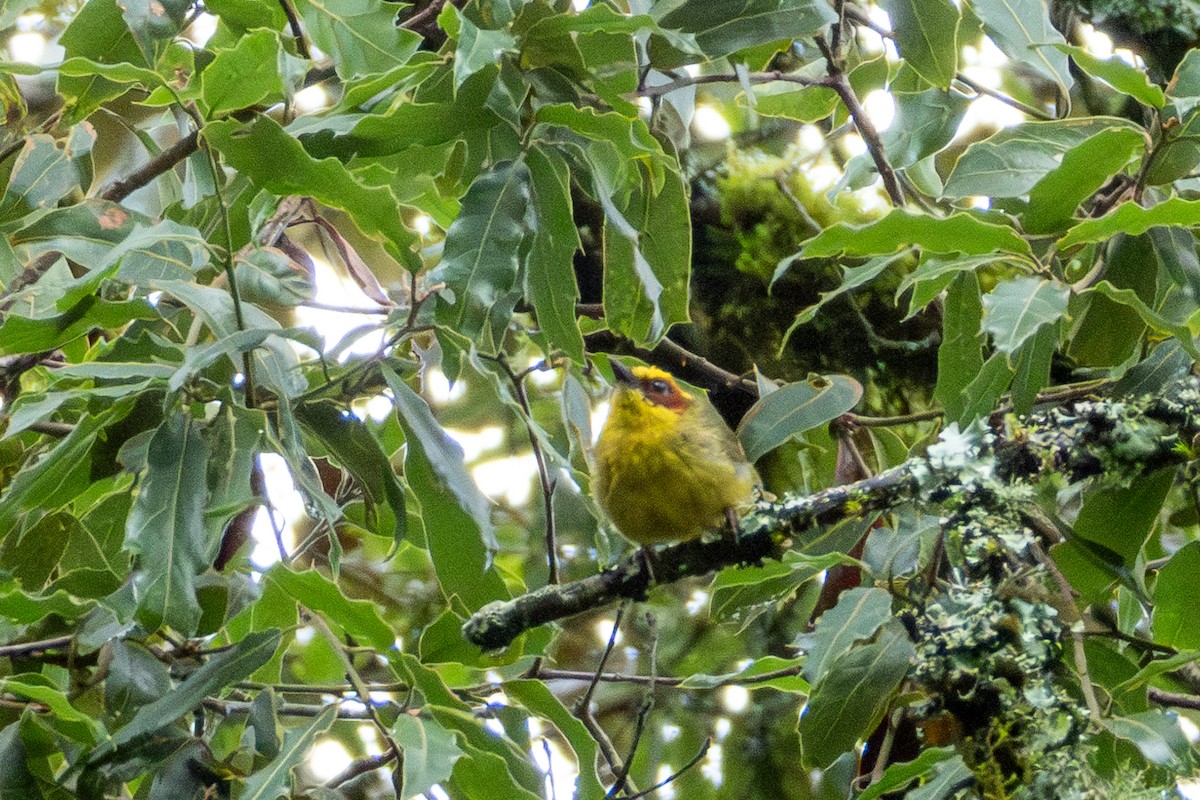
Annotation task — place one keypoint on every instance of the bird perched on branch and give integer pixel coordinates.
(666, 466)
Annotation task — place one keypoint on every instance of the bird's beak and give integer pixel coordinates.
(623, 373)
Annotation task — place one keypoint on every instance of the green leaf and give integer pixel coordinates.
(809, 104)
(1018, 307)
(97, 32)
(1166, 364)
(481, 258)
(355, 447)
(1011, 162)
(925, 123)
(166, 530)
(478, 48)
(900, 774)
(1176, 604)
(429, 752)
(1184, 334)
(960, 355)
(724, 26)
(857, 617)
(24, 335)
(750, 677)
(739, 594)
(949, 777)
(1106, 332)
(44, 173)
(852, 278)
(647, 260)
(273, 160)
(847, 704)
(360, 36)
(1084, 169)
(318, 593)
(458, 526)
(550, 275)
(1117, 520)
(926, 34)
(1031, 363)
(1157, 735)
(542, 702)
(275, 779)
(246, 75)
(1133, 219)
(630, 136)
(1019, 28)
(957, 233)
(81, 725)
(794, 409)
(221, 670)
(1116, 73)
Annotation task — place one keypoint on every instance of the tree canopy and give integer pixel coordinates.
(308, 307)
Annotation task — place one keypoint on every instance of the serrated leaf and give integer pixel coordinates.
(480, 261)
(360, 36)
(271, 159)
(1116, 73)
(1011, 162)
(926, 34)
(550, 280)
(243, 76)
(1019, 28)
(220, 671)
(540, 701)
(1176, 604)
(794, 409)
(847, 704)
(275, 779)
(724, 26)
(1157, 735)
(857, 617)
(356, 448)
(315, 591)
(647, 260)
(1084, 169)
(456, 515)
(1133, 219)
(957, 233)
(1018, 307)
(429, 752)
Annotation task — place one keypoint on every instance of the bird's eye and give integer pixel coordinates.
(659, 386)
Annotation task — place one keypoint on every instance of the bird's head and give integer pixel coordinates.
(639, 387)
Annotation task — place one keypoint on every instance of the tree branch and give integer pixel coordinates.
(121, 188)
(1120, 439)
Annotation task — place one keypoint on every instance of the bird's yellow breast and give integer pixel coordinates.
(666, 475)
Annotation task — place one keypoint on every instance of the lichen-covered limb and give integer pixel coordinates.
(1120, 440)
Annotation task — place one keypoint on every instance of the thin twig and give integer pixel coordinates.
(361, 767)
(28, 648)
(1174, 699)
(319, 688)
(685, 81)
(121, 188)
(297, 32)
(227, 707)
(582, 705)
(428, 12)
(673, 776)
(1071, 617)
(870, 136)
(622, 777)
(548, 484)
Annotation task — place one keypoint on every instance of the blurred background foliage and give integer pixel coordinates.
(395, 192)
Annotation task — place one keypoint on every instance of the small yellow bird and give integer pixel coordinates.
(667, 468)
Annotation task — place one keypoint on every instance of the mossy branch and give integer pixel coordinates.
(1117, 439)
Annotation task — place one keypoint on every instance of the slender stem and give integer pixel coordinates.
(28, 648)
(870, 137)
(361, 767)
(121, 188)
(980, 89)
(581, 707)
(1074, 625)
(685, 81)
(622, 778)
(1174, 699)
(318, 688)
(227, 707)
(673, 776)
(297, 32)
